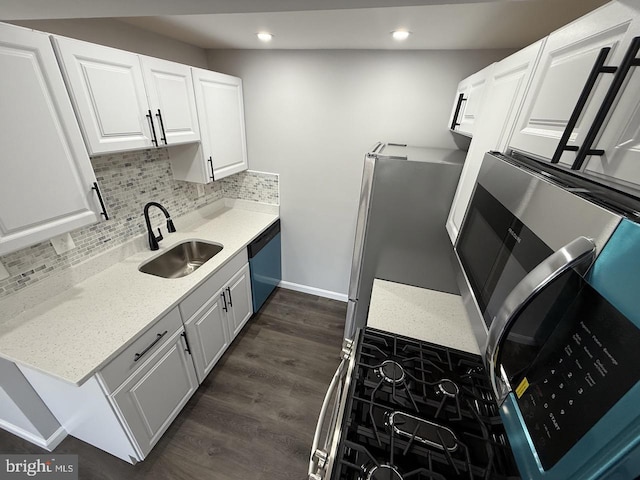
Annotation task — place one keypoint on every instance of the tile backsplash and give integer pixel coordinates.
(128, 181)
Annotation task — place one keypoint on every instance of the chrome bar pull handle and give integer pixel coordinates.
(579, 253)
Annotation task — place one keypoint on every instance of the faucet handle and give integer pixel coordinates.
(159, 237)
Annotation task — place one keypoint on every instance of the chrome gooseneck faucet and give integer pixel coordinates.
(153, 240)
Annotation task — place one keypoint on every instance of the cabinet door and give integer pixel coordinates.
(472, 88)
(239, 299)
(170, 93)
(567, 59)
(221, 115)
(108, 93)
(155, 394)
(45, 172)
(462, 94)
(620, 141)
(207, 335)
(505, 91)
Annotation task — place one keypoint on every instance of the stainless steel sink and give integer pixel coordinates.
(181, 259)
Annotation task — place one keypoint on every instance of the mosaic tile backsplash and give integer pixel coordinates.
(128, 181)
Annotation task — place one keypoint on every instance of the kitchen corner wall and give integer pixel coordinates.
(117, 34)
(311, 115)
(128, 181)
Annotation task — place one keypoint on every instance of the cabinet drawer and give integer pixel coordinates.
(121, 367)
(202, 294)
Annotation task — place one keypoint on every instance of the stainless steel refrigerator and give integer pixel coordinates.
(405, 198)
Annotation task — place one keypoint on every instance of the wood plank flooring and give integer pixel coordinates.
(254, 416)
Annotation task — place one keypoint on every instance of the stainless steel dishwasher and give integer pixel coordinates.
(265, 264)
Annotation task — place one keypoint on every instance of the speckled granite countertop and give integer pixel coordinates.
(427, 315)
(73, 335)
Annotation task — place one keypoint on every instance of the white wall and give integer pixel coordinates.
(114, 33)
(312, 115)
(22, 411)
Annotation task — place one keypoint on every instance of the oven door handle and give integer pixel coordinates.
(578, 254)
(319, 457)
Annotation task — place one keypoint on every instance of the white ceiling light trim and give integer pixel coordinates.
(400, 35)
(264, 36)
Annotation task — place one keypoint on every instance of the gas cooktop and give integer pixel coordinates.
(420, 411)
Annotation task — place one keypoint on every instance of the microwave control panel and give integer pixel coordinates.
(586, 365)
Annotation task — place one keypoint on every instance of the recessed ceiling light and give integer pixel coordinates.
(400, 34)
(264, 36)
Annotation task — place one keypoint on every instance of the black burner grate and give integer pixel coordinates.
(420, 411)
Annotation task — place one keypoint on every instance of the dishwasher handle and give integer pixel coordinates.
(263, 239)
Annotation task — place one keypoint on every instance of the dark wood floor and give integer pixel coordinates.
(254, 416)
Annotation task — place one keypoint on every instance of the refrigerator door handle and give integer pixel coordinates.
(375, 149)
(361, 224)
(350, 327)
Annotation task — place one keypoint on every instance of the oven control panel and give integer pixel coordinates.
(587, 364)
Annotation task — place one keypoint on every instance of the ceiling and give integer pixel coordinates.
(325, 24)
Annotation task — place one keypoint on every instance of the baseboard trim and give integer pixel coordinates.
(56, 438)
(314, 291)
(47, 443)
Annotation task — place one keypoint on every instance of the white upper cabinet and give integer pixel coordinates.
(46, 177)
(107, 89)
(565, 65)
(171, 99)
(221, 114)
(223, 151)
(469, 101)
(504, 93)
(619, 140)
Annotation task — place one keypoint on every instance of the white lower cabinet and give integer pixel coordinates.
(152, 398)
(215, 313)
(126, 407)
(208, 336)
(240, 306)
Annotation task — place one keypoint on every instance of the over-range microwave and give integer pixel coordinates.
(550, 276)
